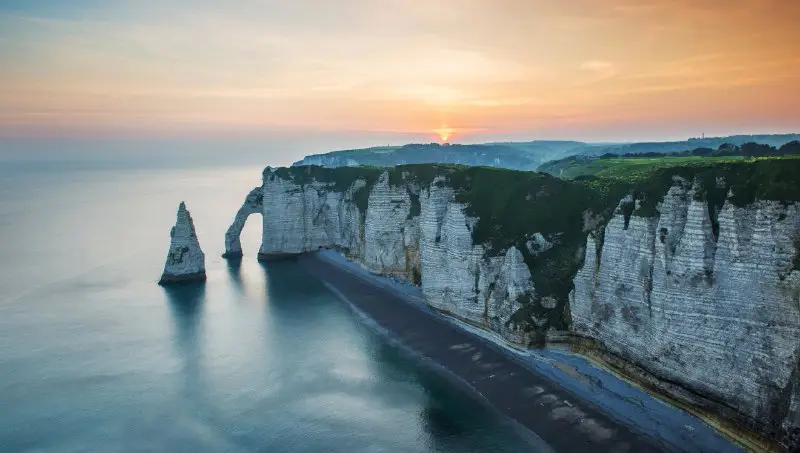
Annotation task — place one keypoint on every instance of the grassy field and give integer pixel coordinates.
(638, 168)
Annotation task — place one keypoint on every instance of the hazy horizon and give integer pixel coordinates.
(241, 150)
(376, 71)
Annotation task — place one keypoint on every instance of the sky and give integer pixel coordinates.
(380, 71)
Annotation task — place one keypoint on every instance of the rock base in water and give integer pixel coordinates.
(185, 260)
(277, 256)
(186, 278)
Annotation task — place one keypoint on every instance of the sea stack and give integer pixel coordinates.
(186, 262)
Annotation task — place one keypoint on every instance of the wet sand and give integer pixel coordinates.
(565, 422)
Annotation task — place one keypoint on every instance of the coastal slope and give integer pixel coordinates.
(688, 279)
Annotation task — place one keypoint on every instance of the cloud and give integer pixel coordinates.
(597, 66)
(379, 64)
(598, 70)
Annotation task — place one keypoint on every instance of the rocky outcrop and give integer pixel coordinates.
(459, 278)
(417, 233)
(253, 204)
(300, 218)
(715, 310)
(698, 292)
(186, 262)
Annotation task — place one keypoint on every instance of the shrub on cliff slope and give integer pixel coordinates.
(511, 206)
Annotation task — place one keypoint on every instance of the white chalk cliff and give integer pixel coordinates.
(419, 235)
(718, 315)
(186, 262)
(714, 313)
(252, 205)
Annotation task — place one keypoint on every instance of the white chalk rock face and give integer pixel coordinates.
(253, 204)
(705, 298)
(186, 262)
(419, 235)
(300, 218)
(387, 219)
(715, 313)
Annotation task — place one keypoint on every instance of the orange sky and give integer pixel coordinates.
(584, 69)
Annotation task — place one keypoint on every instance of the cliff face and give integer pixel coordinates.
(409, 228)
(714, 309)
(696, 283)
(185, 260)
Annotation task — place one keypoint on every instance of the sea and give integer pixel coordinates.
(96, 357)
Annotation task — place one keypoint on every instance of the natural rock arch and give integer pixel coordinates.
(253, 204)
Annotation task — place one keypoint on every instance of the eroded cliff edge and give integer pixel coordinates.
(691, 277)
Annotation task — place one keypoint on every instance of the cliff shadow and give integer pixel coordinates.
(286, 281)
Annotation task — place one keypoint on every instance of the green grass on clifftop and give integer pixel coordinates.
(511, 206)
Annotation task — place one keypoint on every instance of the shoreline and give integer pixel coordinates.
(531, 437)
(559, 396)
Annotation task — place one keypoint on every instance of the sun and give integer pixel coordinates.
(445, 133)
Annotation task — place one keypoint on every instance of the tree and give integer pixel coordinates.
(791, 148)
(702, 152)
(727, 149)
(752, 149)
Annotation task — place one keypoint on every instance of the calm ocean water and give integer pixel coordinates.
(94, 356)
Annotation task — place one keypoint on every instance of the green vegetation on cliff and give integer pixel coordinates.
(640, 165)
(512, 206)
(340, 179)
(522, 155)
(623, 167)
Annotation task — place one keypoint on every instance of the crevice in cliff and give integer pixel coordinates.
(707, 187)
(599, 237)
(407, 261)
(627, 207)
(486, 298)
(416, 207)
(714, 190)
(648, 284)
(323, 199)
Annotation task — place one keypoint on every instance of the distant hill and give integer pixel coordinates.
(519, 155)
(516, 155)
(776, 140)
(632, 165)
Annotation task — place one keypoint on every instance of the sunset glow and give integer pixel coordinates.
(445, 134)
(584, 69)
